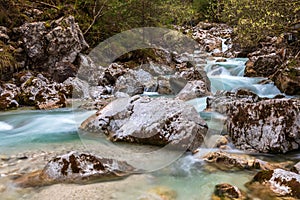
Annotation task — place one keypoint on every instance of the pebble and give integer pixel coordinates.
(4, 157)
(2, 188)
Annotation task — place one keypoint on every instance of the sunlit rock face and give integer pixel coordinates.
(76, 167)
(260, 125)
(271, 126)
(144, 120)
(53, 47)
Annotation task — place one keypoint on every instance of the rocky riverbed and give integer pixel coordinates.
(229, 126)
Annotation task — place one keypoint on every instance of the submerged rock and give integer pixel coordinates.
(278, 182)
(143, 120)
(76, 168)
(232, 162)
(159, 193)
(225, 191)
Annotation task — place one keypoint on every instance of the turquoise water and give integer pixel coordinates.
(21, 131)
(229, 76)
(29, 128)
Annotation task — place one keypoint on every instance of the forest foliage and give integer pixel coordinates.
(253, 20)
(99, 19)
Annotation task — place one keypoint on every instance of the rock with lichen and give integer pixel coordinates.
(259, 125)
(275, 184)
(144, 120)
(53, 47)
(76, 167)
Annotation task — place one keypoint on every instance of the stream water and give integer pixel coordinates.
(56, 131)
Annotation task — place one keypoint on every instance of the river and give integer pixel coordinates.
(27, 134)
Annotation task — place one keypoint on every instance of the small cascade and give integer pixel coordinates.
(228, 76)
(225, 47)
(151, 91)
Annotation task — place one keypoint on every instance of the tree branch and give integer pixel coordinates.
(99, 13)
(46, 4)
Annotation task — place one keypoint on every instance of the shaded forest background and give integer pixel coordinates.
(252, 20)
(100, 19)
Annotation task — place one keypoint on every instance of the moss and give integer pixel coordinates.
(47, 24)
(8, 63)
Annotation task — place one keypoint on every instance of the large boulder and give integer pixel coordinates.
(192, 74)
(52, 47)
(76, 167)
(262, 65)
(143, 120)
(260, 125)
(287, 79)
(156, 69)
(136, 82)
(275, 58)
(38, 91)
(276, 183)
(165, 87)
(4, 34)
(199, 84)
(222, 100)
(269, 126)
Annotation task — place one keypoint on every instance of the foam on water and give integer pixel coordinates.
(5, 126)
(228, 76)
